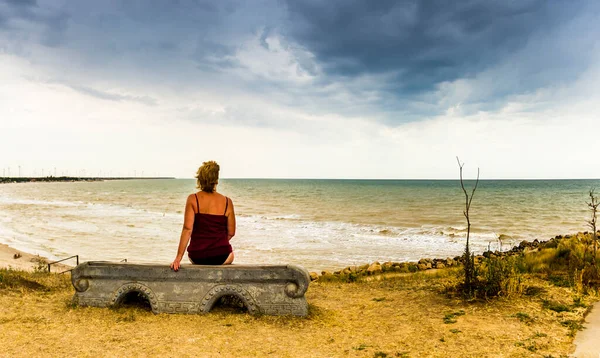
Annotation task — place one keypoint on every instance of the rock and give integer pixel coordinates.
(346, 271)
(387, 266)
(324, 273)
(440, 265)
(17, 256)
(363, 267)
(422, 267)
(374, 268)
(401, 267)
(314, 276)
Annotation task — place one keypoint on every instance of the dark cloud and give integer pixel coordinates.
(53, 20)
(420, 43)
(393, 61)
(22, 3)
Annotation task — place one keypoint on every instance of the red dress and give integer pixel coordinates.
(209, 235)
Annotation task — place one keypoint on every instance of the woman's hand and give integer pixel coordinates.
(186, 232)
(176, 264)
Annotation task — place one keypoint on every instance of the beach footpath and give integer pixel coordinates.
(587, 341)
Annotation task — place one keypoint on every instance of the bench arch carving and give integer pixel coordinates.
(217, 292)
(134, 287)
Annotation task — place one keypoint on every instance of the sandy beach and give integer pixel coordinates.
(19, 260)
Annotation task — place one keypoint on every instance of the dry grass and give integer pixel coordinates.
(399, 316)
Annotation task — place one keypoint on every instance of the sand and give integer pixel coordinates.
(19, 260)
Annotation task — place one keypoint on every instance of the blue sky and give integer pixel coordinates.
(310, 89)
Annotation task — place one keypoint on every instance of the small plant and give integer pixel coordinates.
(559, 281)
(379, 299)
(534, 291)
(455, 331)
(129, 317)
(532, 347)
(573, 326)
(380, 355)
(361, 347)
(450, 318)
(555, 306)
(41, 264)
(524, 317)
(578, 302)
(70, 303)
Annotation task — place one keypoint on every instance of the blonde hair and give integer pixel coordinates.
(207, 176)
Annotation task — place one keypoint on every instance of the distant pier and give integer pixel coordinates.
(4, 180)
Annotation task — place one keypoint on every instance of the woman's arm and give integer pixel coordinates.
(230, 220)
(186, 232)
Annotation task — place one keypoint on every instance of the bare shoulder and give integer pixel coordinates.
(191, 199)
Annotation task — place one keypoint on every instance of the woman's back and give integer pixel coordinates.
(210, 203)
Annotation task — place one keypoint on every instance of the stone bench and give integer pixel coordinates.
(270, 290)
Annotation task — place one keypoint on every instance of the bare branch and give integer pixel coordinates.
(474, 188)
(469, 264)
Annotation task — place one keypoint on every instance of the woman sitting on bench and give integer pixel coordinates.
(209, 222)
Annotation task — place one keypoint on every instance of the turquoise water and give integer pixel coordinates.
(321, 224)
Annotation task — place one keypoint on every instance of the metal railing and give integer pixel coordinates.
(68, 258)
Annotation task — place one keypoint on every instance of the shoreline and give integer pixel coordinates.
(21, 260)
(11, 258)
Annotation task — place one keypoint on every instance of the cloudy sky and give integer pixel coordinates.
(301, 88)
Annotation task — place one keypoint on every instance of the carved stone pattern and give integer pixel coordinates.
(179, 307)
(222, 290)
(81, 285)
(91, 302)
(134, 286)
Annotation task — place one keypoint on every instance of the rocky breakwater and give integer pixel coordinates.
(351, 273)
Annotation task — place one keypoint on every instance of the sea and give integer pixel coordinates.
(318, 224)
